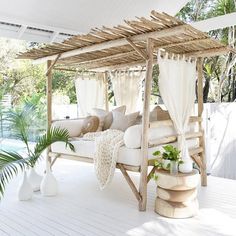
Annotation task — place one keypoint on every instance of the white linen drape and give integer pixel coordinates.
(177, 88)
(127, 89)
(90, 92)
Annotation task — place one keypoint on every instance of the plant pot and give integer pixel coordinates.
(173, 168)
(48, 185)
(166, 164)
(25, 191)
(34, 179)
(187, 166)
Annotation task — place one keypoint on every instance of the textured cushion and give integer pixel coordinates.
(122, 121)
(159, 114)
(74, 127)
(90, 124)
(105, 117)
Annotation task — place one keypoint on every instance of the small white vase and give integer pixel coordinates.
(48, 185)
(187, 166)
(166, 164)
(34, 179)
(25, 191)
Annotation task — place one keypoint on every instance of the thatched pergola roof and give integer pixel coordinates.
(124, 45)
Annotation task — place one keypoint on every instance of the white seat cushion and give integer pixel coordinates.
(127, 156)
(133, 135)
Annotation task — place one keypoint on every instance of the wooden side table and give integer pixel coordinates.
(177, 194)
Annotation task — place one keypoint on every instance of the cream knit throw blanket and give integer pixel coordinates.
(107, 144)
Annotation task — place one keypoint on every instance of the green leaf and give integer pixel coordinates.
(156, 153)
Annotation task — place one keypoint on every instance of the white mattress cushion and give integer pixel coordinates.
(127, 156)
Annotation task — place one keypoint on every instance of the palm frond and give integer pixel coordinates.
(10, 164)
(21, 121)
(53, 135)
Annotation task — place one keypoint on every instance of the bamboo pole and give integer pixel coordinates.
(49, 103)
(145, 126)
(129, 181)
(200, 110)
(142, 53)
(180, 29)
(52, 64)
(106, 90)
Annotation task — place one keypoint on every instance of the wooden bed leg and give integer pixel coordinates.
(129, 181)
(200, 110)
(151, 173)
(145, 126)
(54, 160)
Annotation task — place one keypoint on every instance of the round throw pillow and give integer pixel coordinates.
(133, 136)
(90, 124)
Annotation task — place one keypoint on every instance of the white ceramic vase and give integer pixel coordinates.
(34, 179)
(187, 166)
(48, 185)
(166, 164)
(25, 191)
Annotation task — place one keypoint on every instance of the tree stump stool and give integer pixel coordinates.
(177, 194)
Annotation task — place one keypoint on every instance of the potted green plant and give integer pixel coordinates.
(169, 159)
(11, 163)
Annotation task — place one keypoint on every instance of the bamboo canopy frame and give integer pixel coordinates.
(129, 45)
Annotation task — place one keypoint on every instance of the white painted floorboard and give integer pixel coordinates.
(82, 209)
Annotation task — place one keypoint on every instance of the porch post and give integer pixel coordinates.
(105, 81)
(145, 126)
(200, 110)
(49, 101)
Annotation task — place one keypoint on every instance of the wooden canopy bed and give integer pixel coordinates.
(130, 45)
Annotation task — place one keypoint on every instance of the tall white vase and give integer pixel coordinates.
(34, 179)
(25, 191)
(48, 185)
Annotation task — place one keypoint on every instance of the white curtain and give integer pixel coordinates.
(127, 89)
(177, 88)
(90, 92)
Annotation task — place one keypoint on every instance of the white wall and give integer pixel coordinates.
(220, 130)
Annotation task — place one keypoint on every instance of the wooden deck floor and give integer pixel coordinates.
(82, 209)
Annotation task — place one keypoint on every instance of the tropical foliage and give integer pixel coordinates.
(11, 162)
(21, 120)
(220, 84)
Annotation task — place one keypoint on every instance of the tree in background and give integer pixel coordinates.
(219, 72)
(22, 79)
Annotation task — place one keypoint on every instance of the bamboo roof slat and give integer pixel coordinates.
(108, 47)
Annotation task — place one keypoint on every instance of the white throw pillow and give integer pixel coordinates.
(122, 121)
(133, 136)
(106, 117)
(74, 127)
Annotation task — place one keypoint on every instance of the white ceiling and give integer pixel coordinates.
(54, 18)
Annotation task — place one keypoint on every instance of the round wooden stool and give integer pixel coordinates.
(177, 194)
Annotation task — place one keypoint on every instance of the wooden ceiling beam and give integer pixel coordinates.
(53, 64)
(183, 43)
(209, 52)
(173, 31)
(106, 58)
(141, 52)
